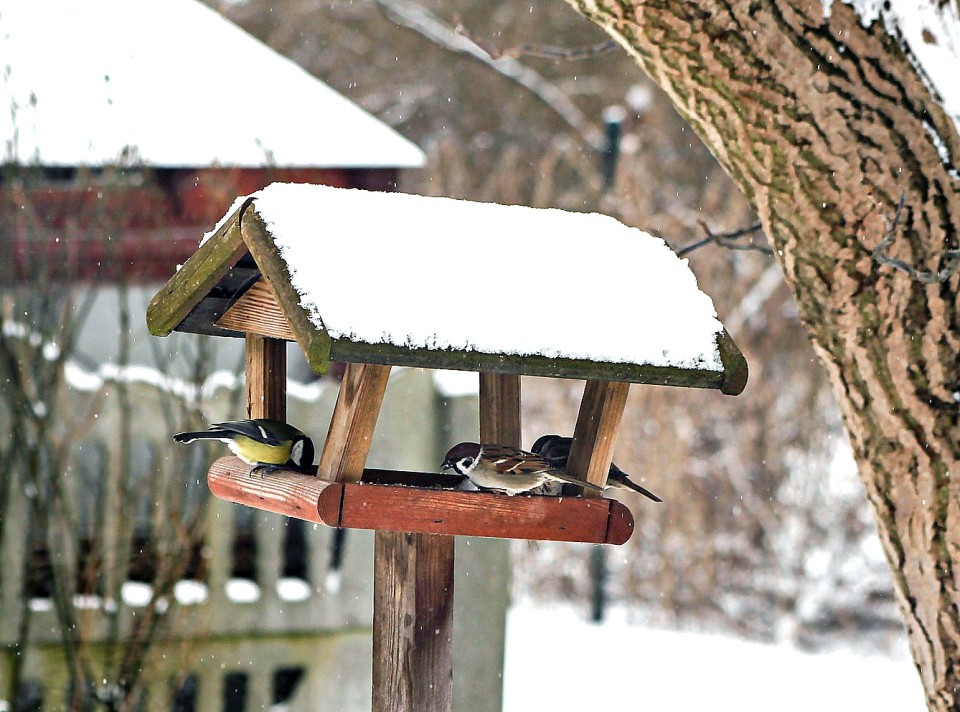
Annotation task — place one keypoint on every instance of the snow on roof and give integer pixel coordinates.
(438, 273)
(169, 83)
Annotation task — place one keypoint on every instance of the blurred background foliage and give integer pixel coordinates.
(764, 528)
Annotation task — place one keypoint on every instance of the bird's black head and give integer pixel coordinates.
(552, 447)
(301, 454)
(462, 458)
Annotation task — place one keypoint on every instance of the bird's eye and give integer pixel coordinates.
(466, 462)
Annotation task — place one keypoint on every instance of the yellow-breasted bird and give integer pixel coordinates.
(268, 444)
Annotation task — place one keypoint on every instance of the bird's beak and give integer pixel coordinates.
(447, 465)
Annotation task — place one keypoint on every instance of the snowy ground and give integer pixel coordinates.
(556, 661)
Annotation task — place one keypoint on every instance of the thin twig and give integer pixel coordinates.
(878, 254)
(564, 54)
(726, 239)
(420, 20)
(527, 49)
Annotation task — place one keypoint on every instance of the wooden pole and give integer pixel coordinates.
(266, 386)
(266, 377)
(499, 423)
(500, 409)
(413, 622)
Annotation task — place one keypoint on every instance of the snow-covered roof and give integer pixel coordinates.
(169, 83)
(521, 288)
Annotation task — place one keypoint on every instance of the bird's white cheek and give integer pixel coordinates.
(296, 452)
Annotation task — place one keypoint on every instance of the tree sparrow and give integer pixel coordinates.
(505, 469)
(556, 449)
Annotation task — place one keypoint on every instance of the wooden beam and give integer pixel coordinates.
(412, 622)
(345, 350)
(307, 326)
(355, 415)
(487, 514)
(266, 377)
(424, 509)
(289, 492)
(197, 277)
(595, 437)
(500, 408)
(258, 312)
(735, 369)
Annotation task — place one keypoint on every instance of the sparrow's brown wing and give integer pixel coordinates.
(513, 461)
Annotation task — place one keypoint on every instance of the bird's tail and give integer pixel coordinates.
(199, 435)
(619, 479)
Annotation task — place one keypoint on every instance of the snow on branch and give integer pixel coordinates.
(878, 254)
(420, 20)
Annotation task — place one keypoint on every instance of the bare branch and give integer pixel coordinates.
(565, 54)
(727, 239)
(420, 20)
(562, 54)
(949, 269)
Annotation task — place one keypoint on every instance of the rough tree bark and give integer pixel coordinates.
(824, 123)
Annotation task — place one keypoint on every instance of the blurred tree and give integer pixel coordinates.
(824, 118)
(96, 505)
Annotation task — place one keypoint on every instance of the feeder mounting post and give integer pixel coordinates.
(266, 377)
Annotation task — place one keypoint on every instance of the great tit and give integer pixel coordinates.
(268, 444)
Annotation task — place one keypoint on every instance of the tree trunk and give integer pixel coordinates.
(824, 124)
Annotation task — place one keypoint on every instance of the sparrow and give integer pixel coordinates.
(556, 449)
(505, 469)
(267, 444)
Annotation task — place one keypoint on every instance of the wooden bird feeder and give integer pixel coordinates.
(377, 280)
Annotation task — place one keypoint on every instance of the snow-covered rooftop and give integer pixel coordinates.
(169, 83)
(437, 273)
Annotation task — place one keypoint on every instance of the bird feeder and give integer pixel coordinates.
(377, 280)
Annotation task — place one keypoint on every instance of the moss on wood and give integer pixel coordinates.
(197, 277)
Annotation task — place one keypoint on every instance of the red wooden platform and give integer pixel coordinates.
(422, 506)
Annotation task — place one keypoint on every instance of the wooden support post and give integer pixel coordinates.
(266, 378)
(500, 409)
(413, 622)
(266, 381)
(413, 573)
(595, 436)
(350, 435)
(412, 586)
(499, 423)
